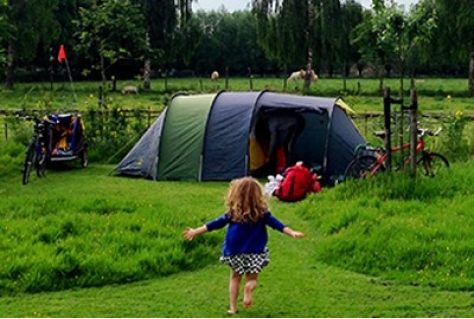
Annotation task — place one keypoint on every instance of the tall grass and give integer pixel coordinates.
(83, 228)
(78, 233)
(414, 231)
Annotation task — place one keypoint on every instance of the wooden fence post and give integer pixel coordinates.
(226, 77)
(413, 131)
(100, 97)
(387, 124)
(149, 117)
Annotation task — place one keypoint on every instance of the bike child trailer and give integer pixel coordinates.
(68, 139)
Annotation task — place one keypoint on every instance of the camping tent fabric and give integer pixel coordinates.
(142, 159)
(206, 136)
(226, 140)
(342, 140)
(182, 138)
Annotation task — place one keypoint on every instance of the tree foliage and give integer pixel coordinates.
(111, 30)
(32, 24)
(329, 35)
(390, 35)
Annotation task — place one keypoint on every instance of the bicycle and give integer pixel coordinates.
(39, 147)
(374, 160)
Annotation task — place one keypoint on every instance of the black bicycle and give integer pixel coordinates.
(39, 147)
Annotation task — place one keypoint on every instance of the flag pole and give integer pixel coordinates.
(62, 56)
(70, 80)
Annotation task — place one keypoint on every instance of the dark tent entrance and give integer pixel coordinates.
(210, 136)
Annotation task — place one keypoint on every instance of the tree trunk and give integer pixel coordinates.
(10, 73)
(102, 96)
(102, 70)
(344, 78)
(309, 34)
(147, 68)
(380, 74)
(146, 75)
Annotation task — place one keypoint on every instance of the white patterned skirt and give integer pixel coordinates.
(247, 263)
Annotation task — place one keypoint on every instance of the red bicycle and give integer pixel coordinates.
(373, 160)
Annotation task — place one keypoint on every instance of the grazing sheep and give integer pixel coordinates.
(130, 89)
(214, 76)
(296, 75)
(301, 74)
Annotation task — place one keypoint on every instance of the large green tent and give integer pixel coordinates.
(206, 136)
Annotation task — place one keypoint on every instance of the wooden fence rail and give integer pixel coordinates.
(152, 114)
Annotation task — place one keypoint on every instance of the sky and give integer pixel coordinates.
(233, 5)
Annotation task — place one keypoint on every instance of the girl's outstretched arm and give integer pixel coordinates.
(292, 233)
(189, 233)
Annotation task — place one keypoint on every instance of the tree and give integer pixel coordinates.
(351, 16)
(31, 23)
(454, 39)
(6, 33)
(160, 22)
(111, 30)
(285, 31)
(227, 40)
(396, 34)
(391, 35)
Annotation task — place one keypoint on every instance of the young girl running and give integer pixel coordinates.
(244, 248)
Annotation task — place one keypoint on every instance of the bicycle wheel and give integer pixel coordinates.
(432, 163)
(84, 158)
(362, 166)
(41, 165)
(30, 159)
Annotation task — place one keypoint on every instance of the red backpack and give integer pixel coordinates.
(297, 183)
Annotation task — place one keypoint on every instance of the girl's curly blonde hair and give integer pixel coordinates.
(245, 200)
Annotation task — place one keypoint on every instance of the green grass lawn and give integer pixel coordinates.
(380, 248)
(83, 243)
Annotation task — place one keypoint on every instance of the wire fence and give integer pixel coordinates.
(366, 122)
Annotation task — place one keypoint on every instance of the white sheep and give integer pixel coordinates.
(130, 89)
(214, 76)
(301, 74)
(296, 75)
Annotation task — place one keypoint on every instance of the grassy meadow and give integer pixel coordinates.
(85, 243)
(363, 95)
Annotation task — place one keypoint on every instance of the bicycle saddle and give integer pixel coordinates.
(380, 134)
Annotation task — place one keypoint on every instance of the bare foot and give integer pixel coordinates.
(247, 296)
(232, 312)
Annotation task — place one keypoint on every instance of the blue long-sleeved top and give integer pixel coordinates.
(245, 237)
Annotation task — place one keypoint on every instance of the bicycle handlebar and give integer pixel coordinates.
(35, 118)
(421, 132)
(425, 131)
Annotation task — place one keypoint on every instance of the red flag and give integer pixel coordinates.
(61, 54)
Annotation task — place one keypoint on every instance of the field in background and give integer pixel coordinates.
(362, 94)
